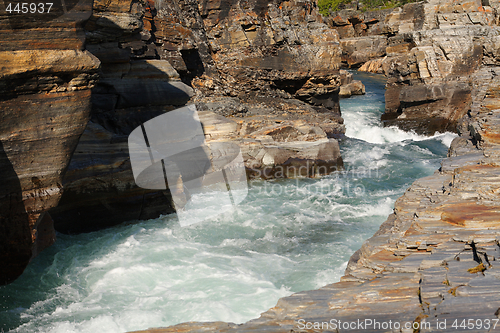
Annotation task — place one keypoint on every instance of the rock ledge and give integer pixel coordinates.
(436, 258)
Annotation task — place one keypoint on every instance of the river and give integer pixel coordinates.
(286, 236)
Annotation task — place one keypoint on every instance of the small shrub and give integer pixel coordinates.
(325, 5)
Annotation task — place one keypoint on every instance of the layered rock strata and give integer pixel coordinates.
(134, 86)
(428, 51)
(278, 139)
(268, 72)
(434, 260)
(45, 81)
(279, 66)
(275, 49)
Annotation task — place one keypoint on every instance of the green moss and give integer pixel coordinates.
(325, 5)
(478, 269)
(367, 5)
(386, 4)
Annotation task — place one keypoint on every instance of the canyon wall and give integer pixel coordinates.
(45, 81)
(263, 74)
(134, 86)
(433, 266)
(429, 52)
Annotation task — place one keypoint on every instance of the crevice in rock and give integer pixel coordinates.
(290, 86)
(479, 256)
(475, 255)
(194, 65)
(405, 105)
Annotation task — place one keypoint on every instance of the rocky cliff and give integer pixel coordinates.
(265, 74)
(134, 86)
(429, 52)
(45, 81)
(432, 266)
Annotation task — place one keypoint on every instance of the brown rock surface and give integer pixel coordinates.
(429, 88)
(45, 81)
(428, 51)
(279, 48)
(421, 267)
(99, 187)
(349, 86)
(282, 139)
(358, 50)
(268, 58)
(373, 66)
(134, 87)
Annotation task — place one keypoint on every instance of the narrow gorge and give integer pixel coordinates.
(268, 76)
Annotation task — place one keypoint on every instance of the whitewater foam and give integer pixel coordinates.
(287, 236)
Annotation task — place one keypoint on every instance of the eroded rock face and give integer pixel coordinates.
(428, 51)
(265, 45)
(280, 64)
(358, 50)
(429, 87)
(99, 187)
(278, 139)
(270, 58)
(278, 48)
(349, 86)
(134, 86)
(434, 259)
(45, 82)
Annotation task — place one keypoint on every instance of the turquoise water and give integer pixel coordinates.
(287, 236)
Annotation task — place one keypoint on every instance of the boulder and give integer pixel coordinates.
(356, 87)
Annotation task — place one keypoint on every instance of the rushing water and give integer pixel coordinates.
(287, 236)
